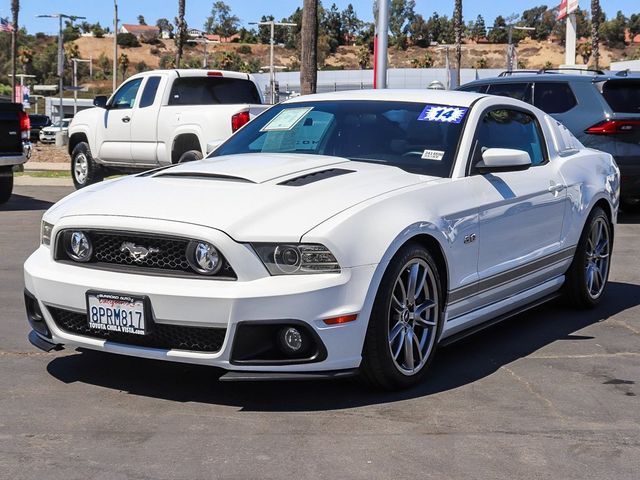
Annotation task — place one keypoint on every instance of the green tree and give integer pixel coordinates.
(127, 40)
(97, 30)
(612, 31)
(634, 24)
(419, 31)
(498, 33)
(123, 64)
(70, 32)
(248, 36)
(351, 24)
(331, 26)
(104, 64)
(479, 29)
(221, 21)
(534, 18)
(141, 20)
(401, 15)
(164, 25)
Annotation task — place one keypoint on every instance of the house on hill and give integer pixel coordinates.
(142, 32)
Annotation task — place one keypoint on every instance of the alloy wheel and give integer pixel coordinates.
(413, 316)
(81, 168)
(597, 258)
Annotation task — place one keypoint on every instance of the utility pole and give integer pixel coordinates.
(205, 42)
(381, 46)
(511, 49)
(272, 71)
(60, 16)
(115, 44)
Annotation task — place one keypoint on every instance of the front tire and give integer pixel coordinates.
(405, 322)
(84, 170)
(6, 184)
(588, 274)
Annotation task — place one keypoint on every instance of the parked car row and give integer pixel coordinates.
(601, 110)
(338, 234)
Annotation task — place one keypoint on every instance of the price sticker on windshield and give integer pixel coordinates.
(443, 114)
(286, 119)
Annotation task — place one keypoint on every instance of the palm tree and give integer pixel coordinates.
(15, 9)
(309, 56)
(596, 17)
(181, 31)
(457, 30)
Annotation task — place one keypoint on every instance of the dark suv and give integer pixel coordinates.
(602, 111)
(38, 122)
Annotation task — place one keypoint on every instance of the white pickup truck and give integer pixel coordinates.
(158, 118)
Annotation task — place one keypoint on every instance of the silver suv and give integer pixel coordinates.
(601, 110)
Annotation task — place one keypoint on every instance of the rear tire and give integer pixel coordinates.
(190, 156)
(84, 170)
(587, 276)
(403, 330)
(6, 184)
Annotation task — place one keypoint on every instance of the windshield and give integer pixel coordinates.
(65, 124)
(417, 137)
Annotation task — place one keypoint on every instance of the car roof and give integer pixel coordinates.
(438, 97)
(518, 76)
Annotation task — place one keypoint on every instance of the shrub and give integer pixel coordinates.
(127, 40)
(244, 50)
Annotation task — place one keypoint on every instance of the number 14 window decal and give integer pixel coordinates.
(442, 113)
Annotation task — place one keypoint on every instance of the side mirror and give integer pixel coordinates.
(100, 101)
(503, 160)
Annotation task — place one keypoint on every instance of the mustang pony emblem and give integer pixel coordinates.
(137, 253)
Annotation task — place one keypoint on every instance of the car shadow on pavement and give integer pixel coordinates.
(459, 364)
(21, 203)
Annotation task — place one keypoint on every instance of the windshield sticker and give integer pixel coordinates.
(286, 119)
(432, 155)
(442, 113)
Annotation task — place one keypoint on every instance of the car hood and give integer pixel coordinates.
(251, 197)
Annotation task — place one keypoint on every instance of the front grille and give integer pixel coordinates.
(170, 257)
(161, 335)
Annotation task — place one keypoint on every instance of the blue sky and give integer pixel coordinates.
(250, 10)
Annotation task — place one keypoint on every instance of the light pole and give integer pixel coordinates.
(115, 44)
(75, 81)
(510, 47)
(272, 71)
(205, 42)
(60, 16)
(381, 46)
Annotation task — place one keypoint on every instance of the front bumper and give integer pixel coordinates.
(212, 303)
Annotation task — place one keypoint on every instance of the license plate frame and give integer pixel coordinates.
(135, 321)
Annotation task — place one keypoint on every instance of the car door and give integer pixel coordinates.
(521, 213)
(144, 130)
(114, 132)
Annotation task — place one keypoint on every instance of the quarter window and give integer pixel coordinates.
(149, 92)
(553, 97)
(517, 90)
(504, 128)
(126, 95)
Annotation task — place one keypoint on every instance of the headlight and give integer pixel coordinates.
(296, 258)
(45, 233)
(78, 246)
(204, 258)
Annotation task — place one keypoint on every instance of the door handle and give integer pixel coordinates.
(557, 187)
(126, 119)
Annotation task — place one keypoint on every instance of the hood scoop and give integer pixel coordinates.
(315, 177)
(203, 175)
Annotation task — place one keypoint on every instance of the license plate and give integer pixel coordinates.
(116, 313)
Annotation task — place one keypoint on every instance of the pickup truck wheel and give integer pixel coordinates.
(190, 156)
(6, 184)
(84, 170)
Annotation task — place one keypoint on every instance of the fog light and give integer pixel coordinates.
(204, 258)
(291, 340)
(79, 247)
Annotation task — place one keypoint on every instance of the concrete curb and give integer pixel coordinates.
(25, 180)
(47, 166)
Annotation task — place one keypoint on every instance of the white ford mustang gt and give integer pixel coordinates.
(334, 234)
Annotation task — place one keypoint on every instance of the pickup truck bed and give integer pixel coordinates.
(15, 148)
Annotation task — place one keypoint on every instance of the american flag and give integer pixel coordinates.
(5, 26)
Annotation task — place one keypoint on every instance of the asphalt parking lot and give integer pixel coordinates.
(552, 393)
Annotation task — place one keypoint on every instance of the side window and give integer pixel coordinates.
(475, 88)
(126, 95)
(149, 92)
(553, 97)
(517, 90)
(504, 128)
